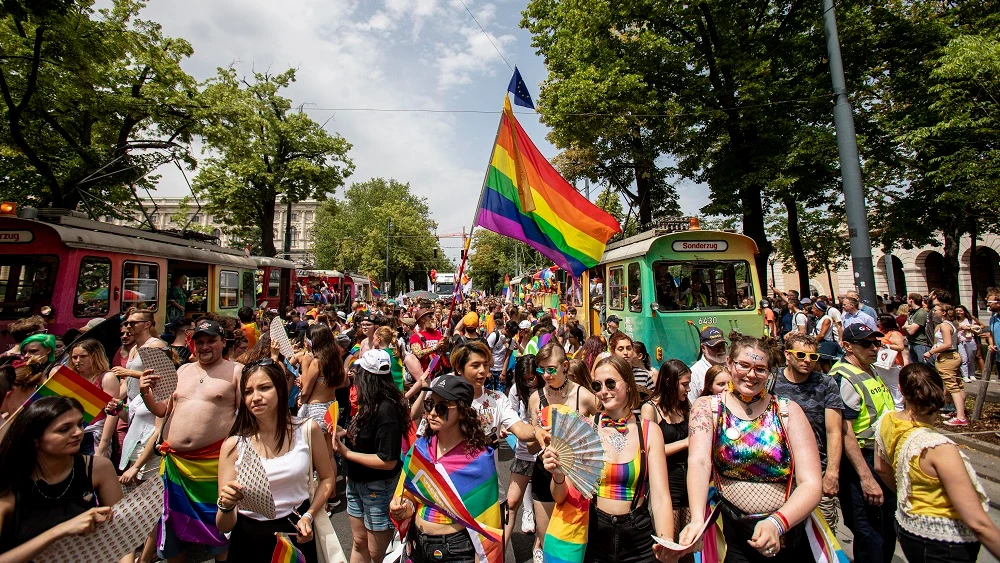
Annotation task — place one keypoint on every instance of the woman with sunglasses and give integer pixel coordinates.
(757, 447)
(265, 429)
(372, 448)
(454, 439)
(553, 368)
(632, 502)
(669, 409)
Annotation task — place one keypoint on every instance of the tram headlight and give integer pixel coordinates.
(8, 208)
(45, 311)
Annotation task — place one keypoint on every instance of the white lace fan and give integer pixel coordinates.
(581, 456)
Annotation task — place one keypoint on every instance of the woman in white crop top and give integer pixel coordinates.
(264, 429)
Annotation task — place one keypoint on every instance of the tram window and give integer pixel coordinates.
(717, 285)
(25, 284)
(249, 289)
(93, 287)
(274, 283)
(140, 285)
(616, 279)
(634, 288)
(229, 287)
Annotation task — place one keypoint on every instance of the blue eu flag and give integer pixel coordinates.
(519, 90)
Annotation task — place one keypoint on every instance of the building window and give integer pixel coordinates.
(196, 218)
(92, 286)
(293, 234)
(217, 233)
(153, 218)
(309, 215)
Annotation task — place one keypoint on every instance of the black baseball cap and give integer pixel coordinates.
(453, 388)
(858, 332)
(209, 327)
(712, 336)
(614, 319)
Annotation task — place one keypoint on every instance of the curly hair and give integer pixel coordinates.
(471, 429)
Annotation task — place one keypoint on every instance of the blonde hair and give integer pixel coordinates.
(388, 338)
(97, 355)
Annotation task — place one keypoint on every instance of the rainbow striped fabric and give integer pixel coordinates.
(458, 488)
(331, 416)
(285, 551)
(823, 541)
(527, 200)
(396, 368)
(190, 490)
(67, 383)
(566, 536)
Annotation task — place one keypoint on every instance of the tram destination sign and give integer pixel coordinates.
(700, 246)
(15, 237)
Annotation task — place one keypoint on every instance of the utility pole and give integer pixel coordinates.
(586, 187)
(388, 228)
(850, 165)
(288, 228)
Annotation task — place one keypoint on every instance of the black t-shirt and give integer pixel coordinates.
(814, 395)
(382, 436)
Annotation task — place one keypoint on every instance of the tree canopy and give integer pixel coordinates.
(493, 256)
(263, 153)
(92, 102)
(350, 233)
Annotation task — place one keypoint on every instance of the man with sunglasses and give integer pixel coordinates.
(199, 414)
(868, 504)
(713, 353)
(819, 397)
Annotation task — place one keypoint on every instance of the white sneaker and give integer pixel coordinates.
(538, 557)
(966, 379)
(527, 522)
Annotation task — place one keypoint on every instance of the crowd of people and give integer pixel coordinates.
(833, 409)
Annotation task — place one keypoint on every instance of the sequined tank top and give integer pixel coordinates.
(752, 450)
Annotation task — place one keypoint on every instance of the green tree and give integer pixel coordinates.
(350, 234)
(181, 217)
(268, 154)
(493, 256)
(92, 102)
(822, 239)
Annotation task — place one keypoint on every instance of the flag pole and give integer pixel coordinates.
(475, 222)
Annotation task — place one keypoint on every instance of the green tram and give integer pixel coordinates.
(668, 285)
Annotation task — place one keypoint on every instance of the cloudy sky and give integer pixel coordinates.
(355, 56)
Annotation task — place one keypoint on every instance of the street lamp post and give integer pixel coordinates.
(850, 165)
(388, 228)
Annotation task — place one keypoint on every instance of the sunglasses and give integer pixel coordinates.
(609, 384)
(439, 408)
(813, 356)
(131, 324)
(552, 370)
(867, 343)
(258, 363)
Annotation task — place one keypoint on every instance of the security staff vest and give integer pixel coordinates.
(875, 398)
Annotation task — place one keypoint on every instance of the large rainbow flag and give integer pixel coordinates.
(67, 383)
(459, 488)
(526, 199)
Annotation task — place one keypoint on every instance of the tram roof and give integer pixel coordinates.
(83, 233)
(639, 245)
(272, 262)
(319, 273)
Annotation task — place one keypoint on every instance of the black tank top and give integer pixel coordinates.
(676, 462)
(39, 506)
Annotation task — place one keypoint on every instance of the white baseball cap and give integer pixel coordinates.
(375, 361)
(524, 325)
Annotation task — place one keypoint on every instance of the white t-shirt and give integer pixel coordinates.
(834, 314)
(800, 320)
(698, 370)
(495, 412)
(520, 450)
(498, 346)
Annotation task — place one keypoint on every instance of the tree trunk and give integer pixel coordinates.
(950, 265)
(643, 187)
(267, 228)
(795, 242)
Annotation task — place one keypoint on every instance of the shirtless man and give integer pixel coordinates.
(199, 415)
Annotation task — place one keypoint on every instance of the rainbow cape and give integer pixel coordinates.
(526, 199)
(286, 552)
(67, 383)
(566, 536)
(460, 488)
(823, 541)
(395, 368)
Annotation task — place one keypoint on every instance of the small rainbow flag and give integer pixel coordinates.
(286, 552)
(331, 416)
(67, 383)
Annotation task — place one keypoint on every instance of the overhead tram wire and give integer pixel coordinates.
(488, 38)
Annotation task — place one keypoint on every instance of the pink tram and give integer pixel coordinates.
(70, 270)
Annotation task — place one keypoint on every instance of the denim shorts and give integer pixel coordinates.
(370, 500)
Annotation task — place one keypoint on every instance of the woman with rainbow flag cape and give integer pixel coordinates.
(448, 508)
(632, 501)
(765, 463)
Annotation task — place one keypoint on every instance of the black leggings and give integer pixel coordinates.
(623, 538)
(922, 550)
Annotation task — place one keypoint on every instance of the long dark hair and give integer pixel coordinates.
(246, 425)
(640, 350)
(667, 396)
(261, 350)
(328, 354)
(524, 366)
(374, 391)
(471, 428)
(19, 448)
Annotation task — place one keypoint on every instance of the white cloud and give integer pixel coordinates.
(474, 56)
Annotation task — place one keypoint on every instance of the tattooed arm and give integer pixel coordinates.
(701, 430)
